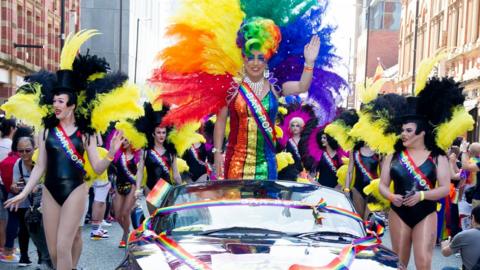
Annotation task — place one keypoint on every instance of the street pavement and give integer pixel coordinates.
(104, 254)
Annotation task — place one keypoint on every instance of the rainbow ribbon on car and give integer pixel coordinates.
(342, 261)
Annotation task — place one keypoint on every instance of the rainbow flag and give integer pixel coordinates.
(158, 193)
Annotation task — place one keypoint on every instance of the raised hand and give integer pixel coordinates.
(116, 143)
(311, 50)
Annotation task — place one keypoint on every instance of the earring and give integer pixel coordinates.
(266, 73)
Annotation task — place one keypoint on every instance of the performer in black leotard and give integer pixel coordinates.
(125, 165)
(415, 170)
(61, 178)
(363, 168)
(160, 156)
(196, 158)
(418, 168)
(329, 163)
(69, 125)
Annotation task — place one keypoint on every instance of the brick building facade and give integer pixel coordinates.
(450, 24)
(377, 42)
(31, 22)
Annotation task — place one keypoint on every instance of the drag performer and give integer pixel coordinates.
(125, 166)
(363, 165)
(416, 161)
(292, 126)
(237, 79)
(196, 158)
(159, 157)
(69, 127)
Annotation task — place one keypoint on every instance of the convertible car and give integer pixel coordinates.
(256, 225)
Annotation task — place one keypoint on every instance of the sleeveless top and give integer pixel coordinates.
(247, 155)
(403, 180)
(328, 176)
(155, 170)
(366, 169)
(59, 164)
(196, 158)
(124, 176)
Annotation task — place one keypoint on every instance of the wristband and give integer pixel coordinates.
(422, 195)
(346, 190)
(391, 197)
(308, 69)
(109, 158)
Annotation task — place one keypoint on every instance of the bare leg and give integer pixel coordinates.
(51, 216)
(98, 211)
(118, 202)
(359, 202)
(3, 229)
(126, 210)
(77, 248)
(424, 236)
(70, 216)
(401, 236)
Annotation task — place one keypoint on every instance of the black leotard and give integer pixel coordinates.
(196, 160)
(124, 179)
(328, 175)
(364, 171)
(292, 171)
(155, 171)
(404, 182)
(62, 175)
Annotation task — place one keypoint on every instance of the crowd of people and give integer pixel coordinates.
(239, 119)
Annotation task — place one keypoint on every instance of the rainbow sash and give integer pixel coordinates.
(123, 162)
(207, 166)
(260, 115)
(295, 148)
(363, 168)
(69, 148)
(421, 180)
(330, 162)
(160, 161)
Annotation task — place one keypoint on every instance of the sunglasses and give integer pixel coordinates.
(24, 151)
(295, 125)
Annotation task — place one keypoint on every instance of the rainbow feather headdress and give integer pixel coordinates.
(202, 66)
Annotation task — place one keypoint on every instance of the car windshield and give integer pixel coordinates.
(281, 219)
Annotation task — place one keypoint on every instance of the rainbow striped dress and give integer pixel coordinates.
(248, 156)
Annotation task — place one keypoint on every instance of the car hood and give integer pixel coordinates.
(250, 253)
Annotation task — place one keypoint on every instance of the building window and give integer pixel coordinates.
(386, 15)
